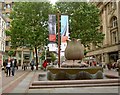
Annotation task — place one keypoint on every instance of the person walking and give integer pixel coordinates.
(4, 64)
(45, 64)
(8, 69)
(16, 64)
(13, 65)
(32, 64)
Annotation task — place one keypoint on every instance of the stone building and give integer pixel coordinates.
(109, 51)
(2, 38)
(21, 54)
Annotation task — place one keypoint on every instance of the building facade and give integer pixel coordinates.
(109, 51)
(21, 54)
(2, 38)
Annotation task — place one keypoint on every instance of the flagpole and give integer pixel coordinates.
(58, 14)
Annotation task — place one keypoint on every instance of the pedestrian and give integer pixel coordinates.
(94, 63)
(16, 65)
(45, 64)
(4, 65)
(8, 69)
(13, 65)
(24, 66)
(32, 64)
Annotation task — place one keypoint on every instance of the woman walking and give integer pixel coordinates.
(8, 67)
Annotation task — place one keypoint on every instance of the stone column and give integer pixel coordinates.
(22, 57)
(119, 54)
(17, 57)
(31, 55)
(105, 26)
(106, 58)
(102, 57)
(118, 20)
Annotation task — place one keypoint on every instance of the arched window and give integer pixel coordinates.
(113, 22)
(8, 6)
(114, 30)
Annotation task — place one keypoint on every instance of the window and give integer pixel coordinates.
(2, 33)
(114, 37)
(114, 22)
(4, 7)
(113, 5)
(7, 43)
(0, 22)
(8, 24)
(8, 14)
(8, 6)
(1, 46)
(108, 8)
(3, 14)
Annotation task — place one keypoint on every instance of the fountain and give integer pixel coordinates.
(71, 69)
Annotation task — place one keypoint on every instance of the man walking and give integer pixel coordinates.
(32, 64)
(13, 64)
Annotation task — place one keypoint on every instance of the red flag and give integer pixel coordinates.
(44, 64)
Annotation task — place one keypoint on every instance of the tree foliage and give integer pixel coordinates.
(11, 53)
(29, 24)
(84, 21)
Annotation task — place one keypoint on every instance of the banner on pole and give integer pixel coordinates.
(64, 28)
(52, 28)
(64, 31)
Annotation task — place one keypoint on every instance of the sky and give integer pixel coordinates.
(53, 1)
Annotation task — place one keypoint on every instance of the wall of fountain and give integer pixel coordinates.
(71, 69)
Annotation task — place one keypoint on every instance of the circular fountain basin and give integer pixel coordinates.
(74, 73)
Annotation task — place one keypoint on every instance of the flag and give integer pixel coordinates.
(64, 31)
(52, 28)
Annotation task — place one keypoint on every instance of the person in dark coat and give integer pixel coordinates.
(32, 64)
(13, 65)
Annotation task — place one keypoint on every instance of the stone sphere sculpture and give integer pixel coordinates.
(74, 50)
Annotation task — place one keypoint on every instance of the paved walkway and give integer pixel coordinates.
(111, 73)
(23, 86)
(9, 83)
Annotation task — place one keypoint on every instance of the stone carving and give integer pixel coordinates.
(74, 50)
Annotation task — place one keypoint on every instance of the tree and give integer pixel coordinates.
(11, 53)
(29, 25)
(53, 57)
(84, 21)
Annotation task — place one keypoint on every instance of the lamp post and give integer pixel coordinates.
(58, 16)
